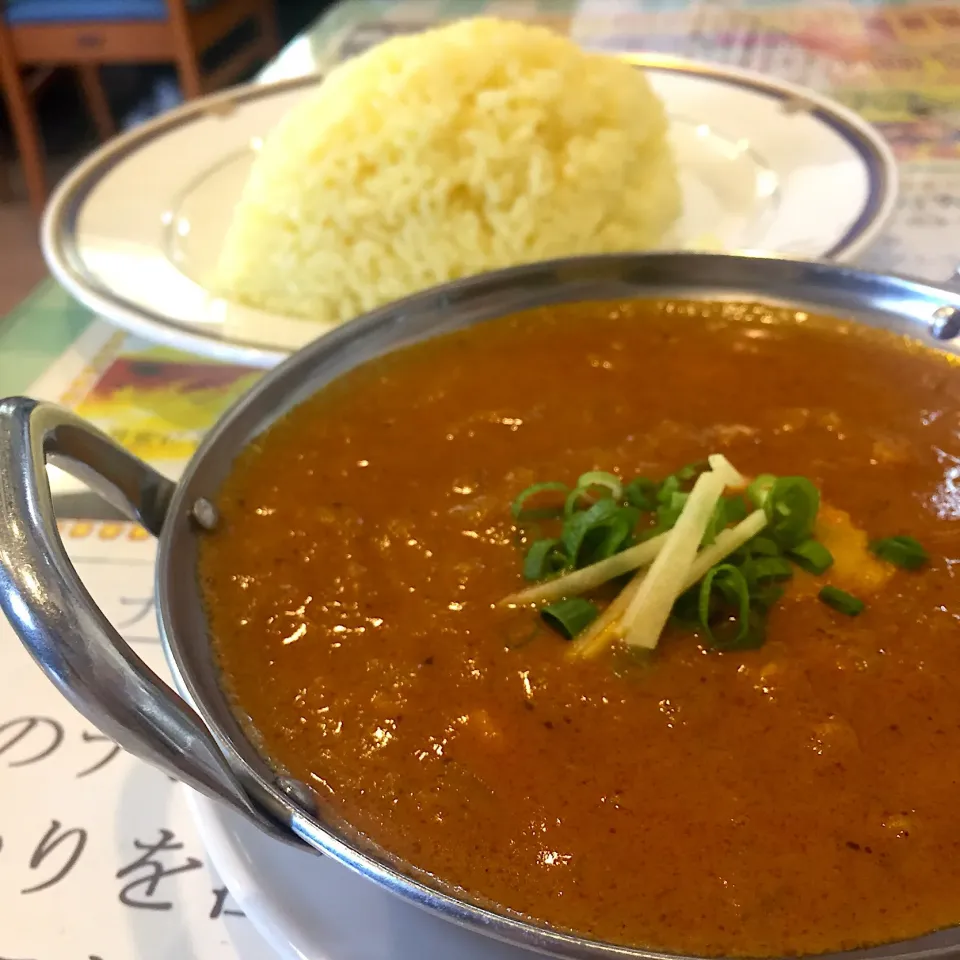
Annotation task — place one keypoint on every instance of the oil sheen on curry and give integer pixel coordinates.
(793, 793)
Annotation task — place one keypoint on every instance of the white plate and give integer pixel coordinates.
(308, 907)
(134, 230)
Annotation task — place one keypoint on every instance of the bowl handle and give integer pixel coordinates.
(58, 621)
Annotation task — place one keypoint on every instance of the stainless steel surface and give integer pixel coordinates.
(946, 323)
(298, 790)
(898, 304)
(205, 514)
(57, 620)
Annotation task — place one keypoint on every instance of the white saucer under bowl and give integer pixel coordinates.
(308, 907)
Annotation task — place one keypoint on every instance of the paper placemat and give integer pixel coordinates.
(99, 856)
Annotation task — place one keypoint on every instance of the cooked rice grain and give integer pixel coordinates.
(478, 145)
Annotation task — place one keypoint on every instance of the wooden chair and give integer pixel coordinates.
(37, 36)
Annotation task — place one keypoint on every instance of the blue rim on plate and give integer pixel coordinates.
(878, 159)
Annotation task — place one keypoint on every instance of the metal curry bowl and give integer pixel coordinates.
(202, 742)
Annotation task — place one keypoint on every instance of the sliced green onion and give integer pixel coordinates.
(842, 601)
(586, 485)
(670, 509)
(544, 558)
(589, 578)
(814, 557)
(686, 608)
(597, 637)
(728, 512)
(760, 488)
(641, 493)
(902, 551)
(576, 528)
(570, 505)
(730, 583)
(692, 470)
(735, 509)
(613, 536)
(668, 488)
(727, 544)
(735, 570)
(766, 568)
(763, 547)
(730, 592)
(570, 616)
(604, 540)
(762, 598)
(516, 508)
(791, 507)
(600, 478)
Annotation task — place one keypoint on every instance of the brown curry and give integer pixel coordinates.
(798, 798)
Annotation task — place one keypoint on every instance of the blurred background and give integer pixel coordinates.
(72, 107)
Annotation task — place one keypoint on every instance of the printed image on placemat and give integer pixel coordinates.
(156, 402)
(160, 406)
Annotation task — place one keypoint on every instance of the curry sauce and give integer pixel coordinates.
(798, 798)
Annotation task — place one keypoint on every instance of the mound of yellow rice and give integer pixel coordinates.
(478, 145)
